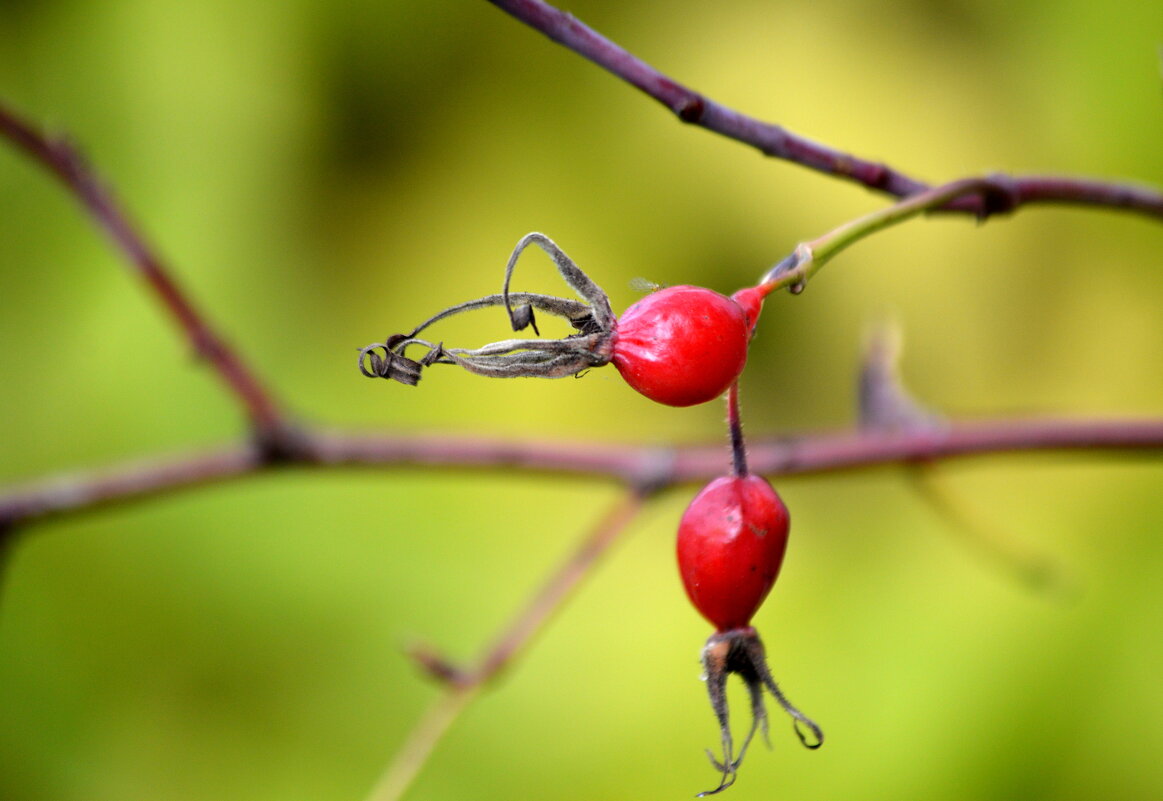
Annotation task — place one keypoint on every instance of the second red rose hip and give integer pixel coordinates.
(731, 543)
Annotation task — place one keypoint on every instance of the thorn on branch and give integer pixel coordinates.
(438, 667)
(879, 176)
(883, 401)
(691, 109)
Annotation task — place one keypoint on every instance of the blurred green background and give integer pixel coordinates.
(323, 174)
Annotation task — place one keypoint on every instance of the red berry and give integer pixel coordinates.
(731, 543)
(682, 345)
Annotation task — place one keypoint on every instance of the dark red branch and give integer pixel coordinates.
(67, 164)
(774, 140)
(76, 492)
(643, 468)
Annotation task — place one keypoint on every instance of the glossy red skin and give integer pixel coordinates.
(682, 345)
(751, 301)
(731, 543)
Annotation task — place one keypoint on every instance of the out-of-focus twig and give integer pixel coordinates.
(421, 741)
(1038, 572)
(64, 161)
(462, 684)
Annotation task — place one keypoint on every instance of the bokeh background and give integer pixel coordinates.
(323, 174)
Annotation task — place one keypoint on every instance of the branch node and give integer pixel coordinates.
(654, 472)
(282, 444)
(1001, 196)
(880, 175)
(691, 108)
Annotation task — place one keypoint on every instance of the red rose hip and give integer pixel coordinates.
(731, 543)
(682, 345)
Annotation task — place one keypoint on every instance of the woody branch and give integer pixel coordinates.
(778, 142)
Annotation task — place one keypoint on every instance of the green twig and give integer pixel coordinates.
(807, 259)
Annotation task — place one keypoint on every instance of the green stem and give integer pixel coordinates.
(809, 257)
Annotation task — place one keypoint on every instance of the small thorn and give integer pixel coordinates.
(883, 401)
(437, 666)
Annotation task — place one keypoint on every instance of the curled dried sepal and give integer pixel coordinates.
(591, 346)
(740, 651)
(596, 300)
(545, 358)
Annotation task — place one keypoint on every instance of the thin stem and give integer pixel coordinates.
(422, 741)
(830, 244)
(559, 586)
(809, 257)
(463, 686)
(735, 426)
(1037, 571)
(63, 160)
(776, 141)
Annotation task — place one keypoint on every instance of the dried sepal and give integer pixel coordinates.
(591, 318)
(591, 293)
(590, 346)
(390, 365)
(741, 652)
